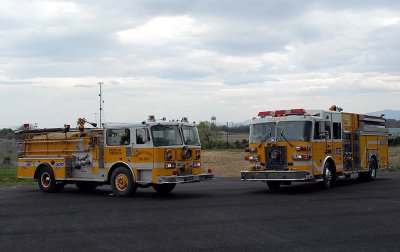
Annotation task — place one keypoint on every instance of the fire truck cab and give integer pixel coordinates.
(153, 153)
(301, 145)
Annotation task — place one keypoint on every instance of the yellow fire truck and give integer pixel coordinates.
(316, 146)
(153, 153)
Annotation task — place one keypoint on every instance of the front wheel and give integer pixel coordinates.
(122, 183)
(329, 176)
(47, 182)
(163, 188)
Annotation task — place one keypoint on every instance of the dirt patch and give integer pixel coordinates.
(225, 163)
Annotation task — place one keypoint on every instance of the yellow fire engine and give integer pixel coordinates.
(153, 153)
(315, 145)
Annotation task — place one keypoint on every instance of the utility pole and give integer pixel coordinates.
(227, 132)
(101, 101)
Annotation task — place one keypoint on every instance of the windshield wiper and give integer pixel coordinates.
(268, 136)
(281, 134)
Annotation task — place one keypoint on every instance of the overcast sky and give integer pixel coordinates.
(228, 58)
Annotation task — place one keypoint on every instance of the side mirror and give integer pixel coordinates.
(324, 135)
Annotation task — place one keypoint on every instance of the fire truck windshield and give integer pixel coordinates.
(294, 131)
(262, 131)
(166, 135)
(291, 130)
(190, 135)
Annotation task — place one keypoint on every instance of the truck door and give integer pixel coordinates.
(322, 145)
(143, 154)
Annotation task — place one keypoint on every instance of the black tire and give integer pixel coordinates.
(372, 167)
(122, 183)
(47, 182)
(329, 176)
(163, 188)
(273, 185)
(86, 186)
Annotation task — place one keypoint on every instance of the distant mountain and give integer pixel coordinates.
(389, 114)
(247, 122)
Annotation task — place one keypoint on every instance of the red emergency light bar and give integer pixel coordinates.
(282, 112)
(297, 111)
(265, 113)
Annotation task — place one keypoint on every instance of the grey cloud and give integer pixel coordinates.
(248, 79)
(18, 83)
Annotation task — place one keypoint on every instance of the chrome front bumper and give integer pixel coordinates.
(184, 179)
(275, 175)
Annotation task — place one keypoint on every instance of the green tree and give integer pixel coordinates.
(208, 133)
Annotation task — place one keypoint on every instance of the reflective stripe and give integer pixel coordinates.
(302, 163)
(140, 166)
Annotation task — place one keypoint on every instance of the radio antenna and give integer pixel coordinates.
(101, 102)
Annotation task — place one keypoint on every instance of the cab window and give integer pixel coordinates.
(142, 136)
(337, 130)
(322, 130)
(117, 137)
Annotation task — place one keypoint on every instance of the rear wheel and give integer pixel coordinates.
(86, 186)
(163, 188)
(274, 185)
(372, 166)
(47, 182)
(122, 182)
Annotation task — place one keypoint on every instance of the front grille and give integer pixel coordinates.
(275, 157)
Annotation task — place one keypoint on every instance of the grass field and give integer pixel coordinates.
(394, 158)
(8, 176)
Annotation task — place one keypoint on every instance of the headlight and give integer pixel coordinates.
(186, 152)
(170, 165)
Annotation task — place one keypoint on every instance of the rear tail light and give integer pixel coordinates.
(209, 170)
(175, 172)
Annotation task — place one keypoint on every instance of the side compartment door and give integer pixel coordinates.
(97, 145)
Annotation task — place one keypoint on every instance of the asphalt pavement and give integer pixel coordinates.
(222, 215)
